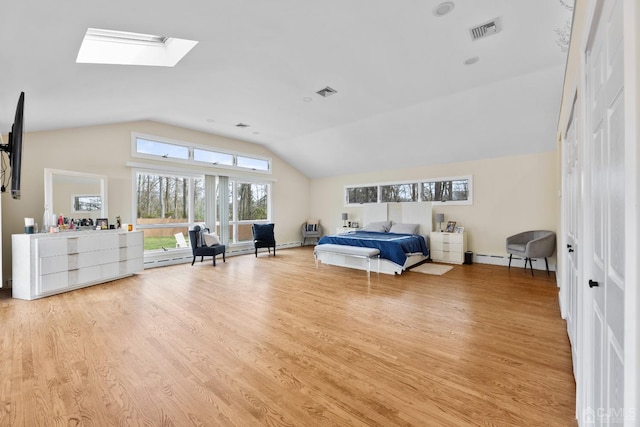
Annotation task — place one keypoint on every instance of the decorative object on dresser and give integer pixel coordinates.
(440, 220)
(451, 226)
(345, 217)
(448, 247)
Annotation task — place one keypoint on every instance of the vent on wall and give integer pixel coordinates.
(485, 30)
(327, 91)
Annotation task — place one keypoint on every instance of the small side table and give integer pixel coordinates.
(342, 230)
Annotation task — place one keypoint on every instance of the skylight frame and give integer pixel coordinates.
(112, 47)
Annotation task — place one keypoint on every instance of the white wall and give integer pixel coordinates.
(510, 194)
(105, 150)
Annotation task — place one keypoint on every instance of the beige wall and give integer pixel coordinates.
(105, 150)
(510, 194)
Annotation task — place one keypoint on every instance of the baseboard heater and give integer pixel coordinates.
(182, 256)
(518, 262)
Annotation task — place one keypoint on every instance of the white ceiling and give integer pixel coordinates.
(405, 97)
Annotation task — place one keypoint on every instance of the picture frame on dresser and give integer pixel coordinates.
(451, 225)
(103, 223)
(459, 229)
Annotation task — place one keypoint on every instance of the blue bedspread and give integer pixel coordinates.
(392, 246)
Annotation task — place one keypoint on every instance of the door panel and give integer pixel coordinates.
(605, 235)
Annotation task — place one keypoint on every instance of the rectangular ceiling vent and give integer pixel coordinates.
(327, 91)
(485, 30)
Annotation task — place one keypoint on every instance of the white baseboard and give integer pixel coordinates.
(538, 264)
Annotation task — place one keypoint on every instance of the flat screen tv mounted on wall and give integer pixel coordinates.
(14, 149)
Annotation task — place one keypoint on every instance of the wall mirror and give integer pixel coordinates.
(74, 195)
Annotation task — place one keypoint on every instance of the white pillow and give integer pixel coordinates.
(211, 239)
(405, 228)
(380, 226)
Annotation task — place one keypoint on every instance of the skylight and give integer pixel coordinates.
(125, 48)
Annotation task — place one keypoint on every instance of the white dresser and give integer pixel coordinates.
(47, 264)
(448, 247)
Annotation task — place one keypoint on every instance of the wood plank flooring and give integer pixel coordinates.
(276, 342)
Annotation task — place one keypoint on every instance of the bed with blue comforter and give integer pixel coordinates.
(393, 246)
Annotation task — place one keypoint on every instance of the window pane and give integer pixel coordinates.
(212, 157)
(162, 149)
(199, 201)
(362, 194)
(162, 199)
(230, 201)
(460, 189)
(162, 239)
(252, 201)
(444, 191)
(250, 163)
(399, 193)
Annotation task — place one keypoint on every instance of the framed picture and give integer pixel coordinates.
(459, 229)
(355, 225)
(451, 225)
(103, 223)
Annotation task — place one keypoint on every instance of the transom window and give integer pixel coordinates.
(454, 191)
(164, 149)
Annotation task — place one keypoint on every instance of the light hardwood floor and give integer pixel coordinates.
(277, 342)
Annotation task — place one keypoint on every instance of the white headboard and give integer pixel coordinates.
(405, 213)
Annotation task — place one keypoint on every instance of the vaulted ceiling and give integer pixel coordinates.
(404, 94)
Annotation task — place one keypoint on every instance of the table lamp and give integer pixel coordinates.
(440, 220)
(345, 217)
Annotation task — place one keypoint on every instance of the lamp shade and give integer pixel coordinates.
(440, 217)
(345, 216)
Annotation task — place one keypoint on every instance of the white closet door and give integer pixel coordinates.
(571, 200)
(604, 309)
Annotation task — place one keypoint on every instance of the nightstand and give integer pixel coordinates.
(448, 247)
(342, 230)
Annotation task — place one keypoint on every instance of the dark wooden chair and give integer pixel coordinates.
(263, 237)
(200, 248)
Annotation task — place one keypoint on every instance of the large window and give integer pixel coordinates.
(247, 202)
(455, 191)
(166, 205)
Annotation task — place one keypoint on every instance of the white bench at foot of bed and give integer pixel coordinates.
(347, 256)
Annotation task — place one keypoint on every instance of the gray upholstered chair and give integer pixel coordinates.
(532, 244)
(311, 231)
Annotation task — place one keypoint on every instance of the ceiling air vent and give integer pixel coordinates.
(485, 30)
(327, 91)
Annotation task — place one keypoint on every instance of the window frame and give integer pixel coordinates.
(191, 160)
(234, 222)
